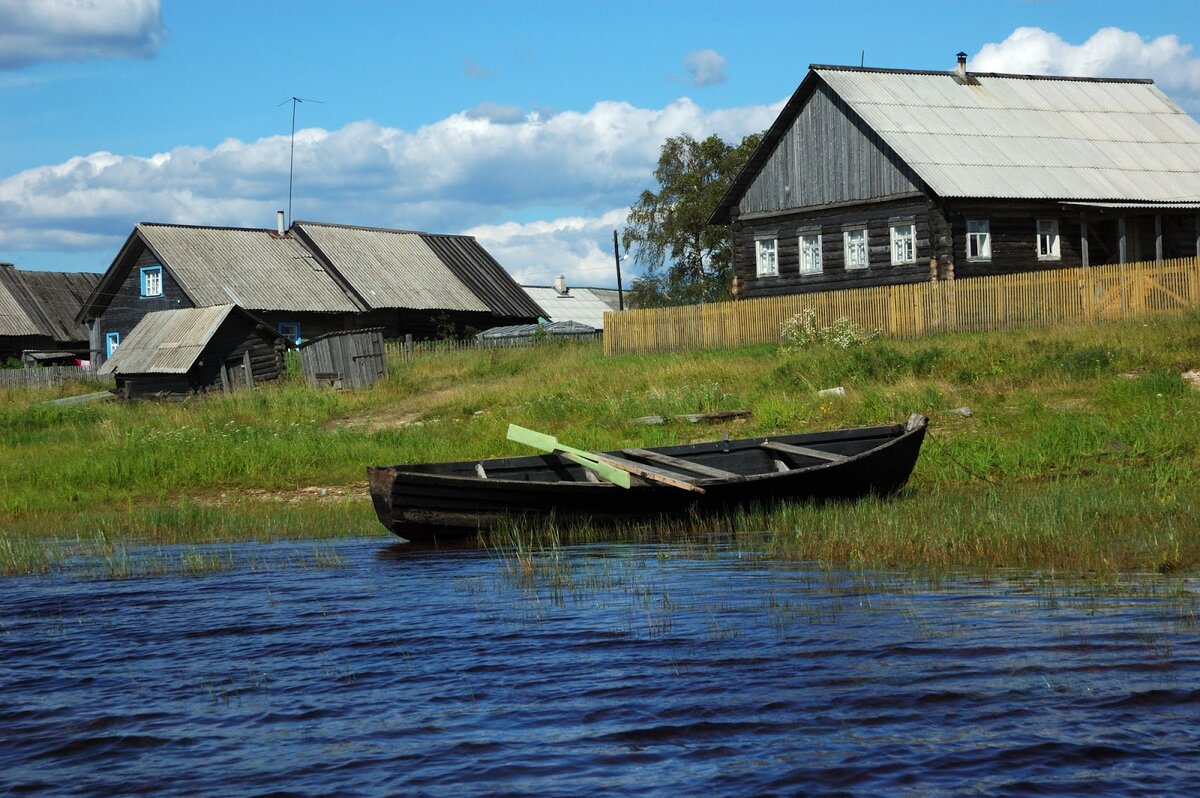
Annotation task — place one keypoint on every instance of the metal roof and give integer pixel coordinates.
(256, 269)
(584, 305)
(391, 268)
(475, 266)
(167, 341)
(1026, 137)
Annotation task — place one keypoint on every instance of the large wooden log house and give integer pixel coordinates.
(882, 176)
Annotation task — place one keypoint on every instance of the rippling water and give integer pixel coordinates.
(604, 670)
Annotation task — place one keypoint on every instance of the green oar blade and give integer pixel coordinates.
(548, 443)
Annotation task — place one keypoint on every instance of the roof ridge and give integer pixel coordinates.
(953, 73)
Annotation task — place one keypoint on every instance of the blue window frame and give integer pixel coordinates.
(152, 281)
(111, 341)
(290, 330)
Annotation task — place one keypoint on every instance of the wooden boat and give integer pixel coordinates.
(429, 502)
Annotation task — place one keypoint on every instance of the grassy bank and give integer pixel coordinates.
(1080, 451)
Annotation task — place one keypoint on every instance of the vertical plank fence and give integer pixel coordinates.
(1026, 299)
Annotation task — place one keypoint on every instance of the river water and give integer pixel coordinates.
(598, 670)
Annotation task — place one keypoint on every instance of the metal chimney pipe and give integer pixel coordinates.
(279, 222)
(962, 65)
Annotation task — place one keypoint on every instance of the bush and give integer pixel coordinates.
(802, 332)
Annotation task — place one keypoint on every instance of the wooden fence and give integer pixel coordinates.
(409, 349)
(1027, 299)
(43, 376)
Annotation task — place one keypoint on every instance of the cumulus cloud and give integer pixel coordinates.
(33, 31)
(466, 171)
(496, 112)
(1109, 52)
(705, 67)
(579, 247)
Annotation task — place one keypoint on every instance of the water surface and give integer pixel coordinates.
(602, 670)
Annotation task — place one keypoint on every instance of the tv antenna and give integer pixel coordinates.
(292, 154)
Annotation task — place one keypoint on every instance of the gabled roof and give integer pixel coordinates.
(256, 269)
(43, 303)
(170, 341)
(323, 268)
(997, 135)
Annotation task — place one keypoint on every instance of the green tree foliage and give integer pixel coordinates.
(686, 259)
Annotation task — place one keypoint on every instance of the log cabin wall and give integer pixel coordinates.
(878, 219)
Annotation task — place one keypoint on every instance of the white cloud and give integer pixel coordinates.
(33, 31)
(1110, 52)
(705, 67)
(579, 247)
(463, 172)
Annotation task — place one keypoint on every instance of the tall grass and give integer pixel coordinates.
(1091, 407)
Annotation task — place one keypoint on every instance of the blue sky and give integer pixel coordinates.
(532, 125)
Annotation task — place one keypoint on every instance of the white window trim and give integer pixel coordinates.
(759, 252)
(1055, 252)
(846, 248)
(146, 272)
(912, 236)
(820, 254)
(985, 253)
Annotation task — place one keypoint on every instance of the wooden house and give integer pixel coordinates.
(37, 314)
(191, 350)
(562, 302)
(878, 176)
(306, 281)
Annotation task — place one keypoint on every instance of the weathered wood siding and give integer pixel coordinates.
(828, 156)
(878, 219)
(128, 306)
(354, 359)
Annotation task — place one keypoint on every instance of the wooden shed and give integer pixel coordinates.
(190, 350)
(349, 359)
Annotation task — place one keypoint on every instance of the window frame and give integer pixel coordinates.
(112, 342)
(760, 250)
(866, 248)
(279, 328)
(820, 252)
(912, 241)
(146, 271)
(985, 253)
(1055, 248)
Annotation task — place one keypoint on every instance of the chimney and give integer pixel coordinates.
(962, 65)
(560, 285)
(279, 223)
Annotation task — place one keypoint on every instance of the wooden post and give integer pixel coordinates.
(1122, 245)
(1083, 240)
(246, 368)
(408, 345)
(225, 386)
(1198, 235)
(1158, 248)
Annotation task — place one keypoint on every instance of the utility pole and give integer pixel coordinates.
(617, 258)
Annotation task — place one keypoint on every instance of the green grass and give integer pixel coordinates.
(1081, 451)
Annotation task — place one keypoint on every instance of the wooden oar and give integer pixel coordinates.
(548, 443)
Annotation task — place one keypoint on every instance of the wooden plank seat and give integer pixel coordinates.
(679, 464)
(648, 472)
(803, 451)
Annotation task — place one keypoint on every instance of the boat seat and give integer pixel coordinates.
(803, 451)
(679, 464)
(673, 478)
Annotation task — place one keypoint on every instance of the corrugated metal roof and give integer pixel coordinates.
(14, 319)
(256, 269)
(391, 268)
(167, 341)
(475, 266)
(1023, 137)
(584, 305)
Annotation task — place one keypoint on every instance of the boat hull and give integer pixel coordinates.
(427, 503)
